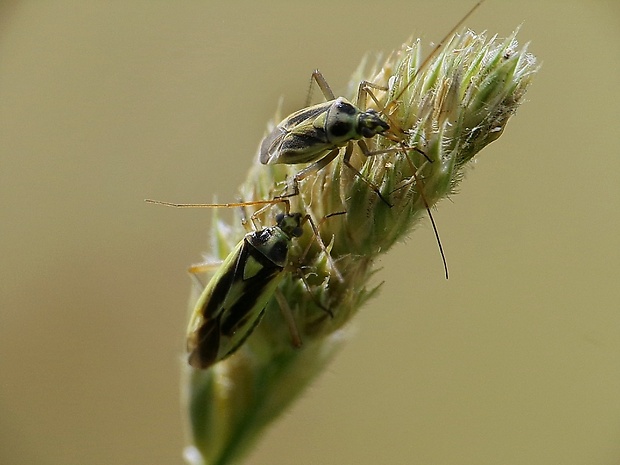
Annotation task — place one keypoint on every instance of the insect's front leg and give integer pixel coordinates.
(347, 161)
(316, 301)
(317, 237)
(364, 90)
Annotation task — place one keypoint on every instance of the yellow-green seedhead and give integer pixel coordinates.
(450, 107)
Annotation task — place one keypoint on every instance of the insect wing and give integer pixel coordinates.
(299, 138)
(231, 305)
(305, 114)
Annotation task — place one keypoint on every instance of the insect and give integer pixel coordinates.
(233, 302)
(317, 134)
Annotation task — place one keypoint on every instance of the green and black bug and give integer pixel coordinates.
(233, 302)
(316, 134)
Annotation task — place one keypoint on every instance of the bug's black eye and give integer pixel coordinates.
(339, 128)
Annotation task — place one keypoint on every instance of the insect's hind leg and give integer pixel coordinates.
(285, 308)
(287, 314)
(202, 268)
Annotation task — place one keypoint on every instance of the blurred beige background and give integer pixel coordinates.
(514, 360)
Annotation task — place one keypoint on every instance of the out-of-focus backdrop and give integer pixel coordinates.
(515, 360)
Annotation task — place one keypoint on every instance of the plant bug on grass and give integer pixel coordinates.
(233, 302)
(316, 134)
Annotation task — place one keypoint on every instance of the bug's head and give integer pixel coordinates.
(370, 124)
(290, 223)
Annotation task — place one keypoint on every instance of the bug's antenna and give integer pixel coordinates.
(254, 217)
(217, 205)
(420, 185)
(385, 110)
(317, 236)
(436, 49)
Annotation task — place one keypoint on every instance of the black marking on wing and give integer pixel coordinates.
(247, 334)
(221, 289)
(308, 139)
(304, 115)
(208, 344)
(239, 311)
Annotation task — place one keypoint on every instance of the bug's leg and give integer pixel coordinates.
(285, 309)
(317, 236)
(311, 294)
(413, 179)
(320, 80)
(396, 133)
(291, 189)
(369, 153)
(287, 314)
(421, 152)
(257, 213)
(202, 268)
(364, 90)
(347, 161)
(253, 217)
(313, 168)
